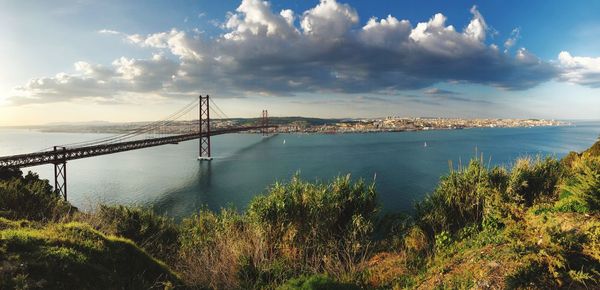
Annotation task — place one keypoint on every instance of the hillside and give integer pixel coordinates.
(74, 256)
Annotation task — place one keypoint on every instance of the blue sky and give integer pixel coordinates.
(138, 60)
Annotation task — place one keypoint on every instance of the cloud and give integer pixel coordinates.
(177, 42)
(579, 70)
(477, 27)
(436, 91)
(462, 99)
(515, 34)
(329, 20)
(102, 83)
(108, 31)
(321, 50)
(440, 95)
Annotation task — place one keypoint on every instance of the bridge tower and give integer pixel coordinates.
(265, 123)
(204, 128)
(60, 171)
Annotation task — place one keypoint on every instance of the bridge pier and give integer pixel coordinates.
(265, 123)
(204, 129)
(60, 173)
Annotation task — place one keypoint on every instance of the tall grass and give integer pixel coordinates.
(296, 228)
(475, 193)
(320, 226)
(460, 198)
(224, 251)
(535, 178)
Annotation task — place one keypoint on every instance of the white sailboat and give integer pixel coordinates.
(425, 145)
(283, 141)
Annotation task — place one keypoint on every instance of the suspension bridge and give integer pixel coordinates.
(143, 136)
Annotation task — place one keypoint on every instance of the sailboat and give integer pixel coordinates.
(283, 141)
(425, 145)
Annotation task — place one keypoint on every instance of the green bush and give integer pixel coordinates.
(593, 151)
(294, 229)
(224, 251)
(156, 234)
(460, 199)
(557, 261)
(532, 179)
(442, 240)
(581, 191)
(28, 197)
(391, 229)
(318, 223)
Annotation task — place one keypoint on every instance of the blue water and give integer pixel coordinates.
(170, 179)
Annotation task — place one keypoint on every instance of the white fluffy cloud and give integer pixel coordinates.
(323, 49)
(580, 70)
(329, 20)
(515, 34)
(102, 83)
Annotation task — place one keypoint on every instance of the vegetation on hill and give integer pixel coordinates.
(28, 197)
(74, 256)
(535, 225)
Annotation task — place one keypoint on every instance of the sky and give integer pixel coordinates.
(122, 61)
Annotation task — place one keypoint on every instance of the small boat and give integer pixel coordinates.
(283, 141)
(425, 145)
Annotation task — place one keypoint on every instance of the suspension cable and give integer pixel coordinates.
(218, 108)
(138, 131)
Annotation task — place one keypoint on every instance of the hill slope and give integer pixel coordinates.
(74, 256)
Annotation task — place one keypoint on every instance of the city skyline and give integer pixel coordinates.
(111, 61)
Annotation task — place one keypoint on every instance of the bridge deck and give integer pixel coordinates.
(59, 156)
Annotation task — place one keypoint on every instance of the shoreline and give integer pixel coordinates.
(311, 132)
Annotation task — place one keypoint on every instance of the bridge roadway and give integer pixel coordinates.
(62, 155)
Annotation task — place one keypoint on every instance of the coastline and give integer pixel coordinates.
(308, 126)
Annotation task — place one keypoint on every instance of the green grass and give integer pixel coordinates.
(315, 282)
(75, 256)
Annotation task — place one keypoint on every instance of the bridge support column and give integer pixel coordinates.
(265, 123)
(204, 128)
(60, 173)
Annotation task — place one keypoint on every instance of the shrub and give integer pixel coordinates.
(556, 250)
(224, 251)
(390, 231)
(156, 234)
(323, 226)
(593, 151)
(581, 191)
(557, 261)
(294, 229)
(531, 179)
(28, 197)
(416, 241)
(442, 240)
(460, 199)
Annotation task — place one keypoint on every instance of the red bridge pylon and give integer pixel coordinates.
(265, 123)
(204, 128)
